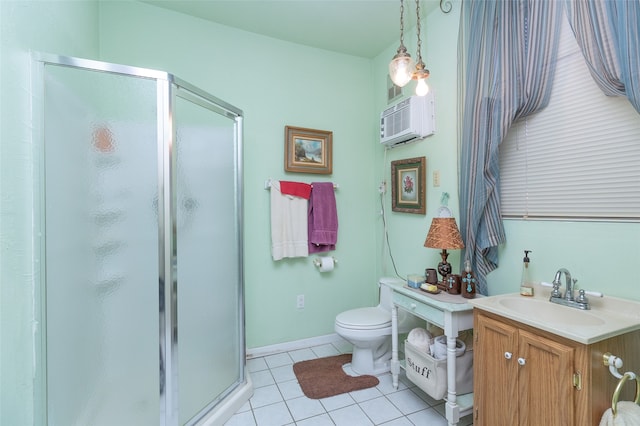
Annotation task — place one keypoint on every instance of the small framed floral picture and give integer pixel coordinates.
(408, 180)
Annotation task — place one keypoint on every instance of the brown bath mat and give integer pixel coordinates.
(324, 377)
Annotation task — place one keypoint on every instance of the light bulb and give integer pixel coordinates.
(401, 69)
(422, 88)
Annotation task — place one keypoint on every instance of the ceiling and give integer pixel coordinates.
(355, 27)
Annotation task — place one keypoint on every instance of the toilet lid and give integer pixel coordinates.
(364, 318)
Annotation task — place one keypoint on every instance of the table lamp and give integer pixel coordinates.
(444, 234)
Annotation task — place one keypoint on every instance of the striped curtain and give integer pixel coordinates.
(608, 33)
(509, 50)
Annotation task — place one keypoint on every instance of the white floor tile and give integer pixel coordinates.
(380, 410)
(290, 389)
(245, 407)
(350, 416)
(256, 364)
(401, 421)
(273, 415)
(262, 378)
(303, 408)
(241, 419)
(425, 397)
(427, 417)
(337, 401)
(283, 374)
(440, 408)
(278, 399)
(321, 420)
(407, 401)
(325, 350)
(278, 360)
(386, 384)
(343, 347)
(264, 396)
(302, 355)
(365, 394)
(347, 369)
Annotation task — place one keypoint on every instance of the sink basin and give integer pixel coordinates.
(608, 316)
(544, 309)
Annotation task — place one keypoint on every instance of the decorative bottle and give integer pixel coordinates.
(468, 287)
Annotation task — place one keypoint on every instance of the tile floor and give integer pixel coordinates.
(278, 400)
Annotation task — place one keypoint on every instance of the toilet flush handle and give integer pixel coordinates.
(413, 306)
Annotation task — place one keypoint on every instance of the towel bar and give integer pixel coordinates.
(267, 185)
(614, 363)
(616, 394)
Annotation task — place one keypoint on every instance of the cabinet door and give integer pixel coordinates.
(545, 381)
(495, 373)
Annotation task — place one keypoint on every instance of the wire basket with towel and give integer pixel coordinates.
(426, 363)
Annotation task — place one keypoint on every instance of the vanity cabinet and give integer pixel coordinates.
(528, 377)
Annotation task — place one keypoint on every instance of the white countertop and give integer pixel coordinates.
(608, 316)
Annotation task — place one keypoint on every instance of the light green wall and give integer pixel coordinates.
(321, 90)
(602, 256)
(407, 232)
(275, 83)
(65, 27)
(599, 254)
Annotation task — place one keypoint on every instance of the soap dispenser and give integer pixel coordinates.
(526, 286)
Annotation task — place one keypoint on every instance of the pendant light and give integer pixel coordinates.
(421, 73)
(401, 67)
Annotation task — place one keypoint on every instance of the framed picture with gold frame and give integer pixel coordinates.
(408, 185)
(308, 150)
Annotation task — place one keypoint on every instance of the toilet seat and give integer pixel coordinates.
(364, 319)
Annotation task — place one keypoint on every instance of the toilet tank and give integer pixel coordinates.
(386, 295)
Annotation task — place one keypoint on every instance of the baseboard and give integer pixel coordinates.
(294, 345)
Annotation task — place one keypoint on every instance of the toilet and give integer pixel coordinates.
(369, 331)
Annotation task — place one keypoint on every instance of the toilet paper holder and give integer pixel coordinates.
(318, 261)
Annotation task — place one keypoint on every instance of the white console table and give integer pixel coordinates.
(452, 318)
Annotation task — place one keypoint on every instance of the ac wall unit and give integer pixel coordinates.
(408, 120)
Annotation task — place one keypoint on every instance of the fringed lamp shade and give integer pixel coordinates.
(444, 234)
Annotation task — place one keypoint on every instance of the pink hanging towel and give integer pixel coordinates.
(323, 218)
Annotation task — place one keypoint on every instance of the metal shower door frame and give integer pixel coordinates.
(168, 87)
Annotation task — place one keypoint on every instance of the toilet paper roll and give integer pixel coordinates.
(326, 264)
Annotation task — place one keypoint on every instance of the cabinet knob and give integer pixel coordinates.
(413, 306)
(508, 355)
(522, 361)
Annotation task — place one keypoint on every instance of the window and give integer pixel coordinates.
(579, 158)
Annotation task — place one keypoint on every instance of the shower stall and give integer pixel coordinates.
(139, 224)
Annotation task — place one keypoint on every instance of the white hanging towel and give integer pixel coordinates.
(288, 224)
(627, 414)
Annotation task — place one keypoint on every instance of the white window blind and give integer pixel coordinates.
(579, 158)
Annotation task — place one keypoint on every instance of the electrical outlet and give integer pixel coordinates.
(300, 301)
(383, 187)
(436, 178)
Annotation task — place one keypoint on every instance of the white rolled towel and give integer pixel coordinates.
(440, 347)
(627, 414)
(420, 338)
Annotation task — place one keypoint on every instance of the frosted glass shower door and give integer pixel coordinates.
(101, 248)
(209, 308)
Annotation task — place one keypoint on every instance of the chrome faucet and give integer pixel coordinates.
(568, 295)
(568, 300)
